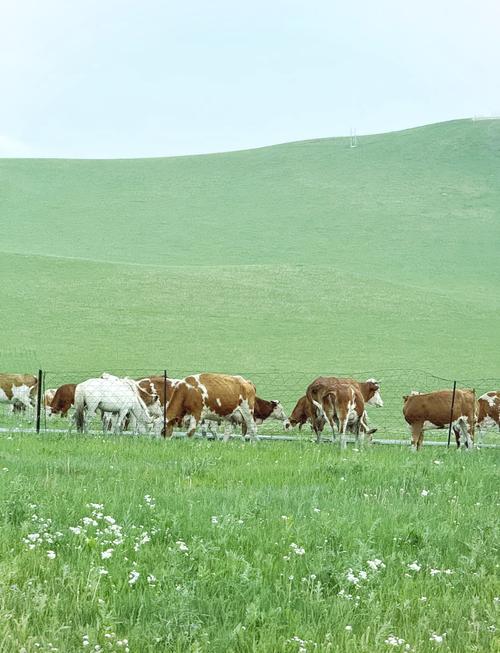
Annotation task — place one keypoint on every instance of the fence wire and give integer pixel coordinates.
(285, 386)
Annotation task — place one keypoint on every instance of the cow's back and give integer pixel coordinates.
(436, 407)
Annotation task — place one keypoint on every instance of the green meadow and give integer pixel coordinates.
(290, 547)
(303, 256)
(281, 263)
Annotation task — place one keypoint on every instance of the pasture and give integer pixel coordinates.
(200, 546)
(302, 256)
(280, 263)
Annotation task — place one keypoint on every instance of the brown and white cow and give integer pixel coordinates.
(19, 390)
(302, 413)
(489, 410)
(216, 396)
(158, 386)
(432, 410)
(341, 402)
(263, 410)
(63, 400)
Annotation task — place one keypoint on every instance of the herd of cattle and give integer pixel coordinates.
(158, 404)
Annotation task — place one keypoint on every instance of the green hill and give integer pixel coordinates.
(303, 256)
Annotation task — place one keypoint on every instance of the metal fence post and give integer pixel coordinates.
(164, 403)
(474, 417)
(451, 411)
(39, 400)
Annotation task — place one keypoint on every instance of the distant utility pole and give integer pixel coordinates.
(354, 138)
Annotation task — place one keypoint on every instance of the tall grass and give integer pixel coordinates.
(268, 547)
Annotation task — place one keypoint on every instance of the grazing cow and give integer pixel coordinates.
(263, 409)
(158, 386)
(111, 394)
(327, 396)
(302, 413)
(216, 396)
(63, 400)
(152, 385)
(489, 410)
(48, 397)
(19, 390)
(433, 410)
(344, 406)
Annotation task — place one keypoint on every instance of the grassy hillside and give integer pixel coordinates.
(307, 255)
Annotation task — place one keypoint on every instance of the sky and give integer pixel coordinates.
(121, 78)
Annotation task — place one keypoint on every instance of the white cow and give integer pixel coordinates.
(111, 395)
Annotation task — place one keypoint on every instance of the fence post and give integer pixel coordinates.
(451, 411)
(473, 427)
(164, 403)
(39, 400)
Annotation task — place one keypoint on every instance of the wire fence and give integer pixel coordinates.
(284, 386)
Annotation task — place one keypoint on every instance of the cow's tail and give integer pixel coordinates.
(79, 414)
(318, 405)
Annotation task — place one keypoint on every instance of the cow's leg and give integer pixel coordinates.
(117, 420)
(228, 429)
(360, 430)
(417, 435)
(343, 429)
(192, 424)
(168, 429)
(463, 426)
(248, 426)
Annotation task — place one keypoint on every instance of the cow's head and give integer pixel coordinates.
(277, 411)
(374, 397)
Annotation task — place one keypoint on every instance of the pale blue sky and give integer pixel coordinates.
(115, 78)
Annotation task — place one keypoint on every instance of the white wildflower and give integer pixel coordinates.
(51, 555)
(423, 599)
(214, 519)
(33, 537)
(424, 493)
(106, 554)
(132, 577)
(85, 641)
(348, 628)
(438, 462)
(375, 564)
(351, 577)
(182, 545)
(76, 530)
(151, 579)
(437, 639)
(109, 519)
(414, 566)
(316, 510)
(298, 550)
(392, 640)
(88, 521)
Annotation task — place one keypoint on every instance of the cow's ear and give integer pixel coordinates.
(274, 402)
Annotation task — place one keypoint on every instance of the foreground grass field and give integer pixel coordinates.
(141, 545)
